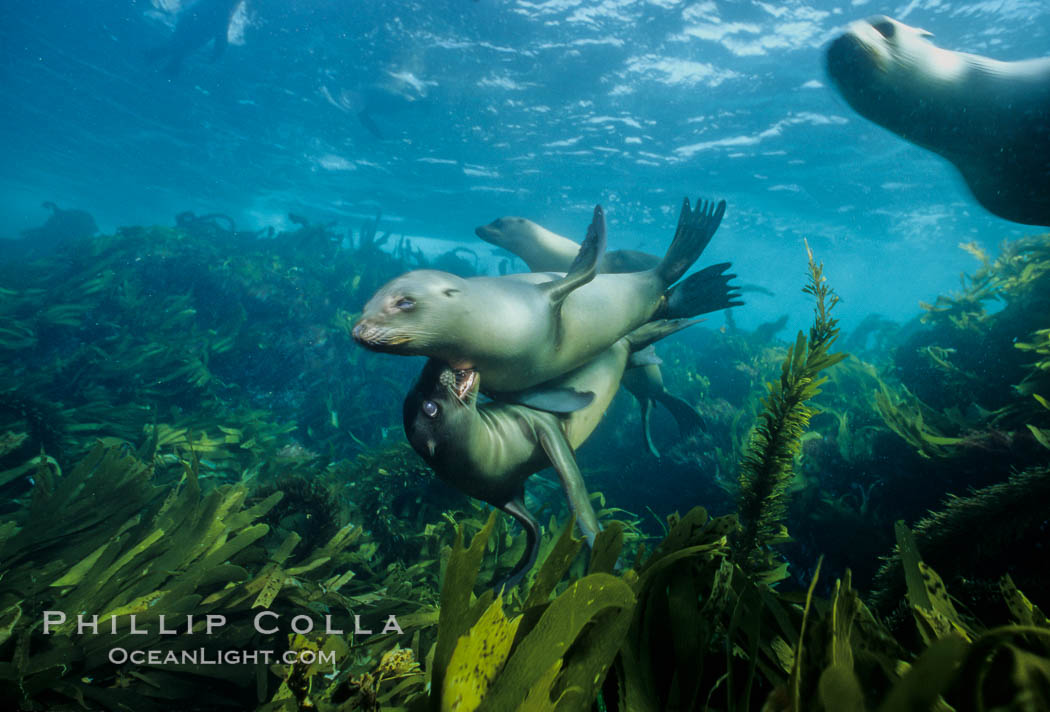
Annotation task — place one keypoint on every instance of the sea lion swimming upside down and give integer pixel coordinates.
(543, 250)
(488, 451)
(522, 330)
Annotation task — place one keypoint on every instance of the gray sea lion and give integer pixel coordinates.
(203, 22)
(544, 250)
(991, 119)
(523, 330)
(488, 451)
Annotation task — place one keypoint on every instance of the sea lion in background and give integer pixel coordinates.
(488, 451)
(203, 22)
(63, 226)
(991, 119)
(543, 250)
(546, 251)
(522, 330)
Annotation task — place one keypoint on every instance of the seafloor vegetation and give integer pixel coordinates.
(186, 429)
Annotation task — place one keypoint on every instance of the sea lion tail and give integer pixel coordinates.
(695, 230)
(585, 267)
(705, 291)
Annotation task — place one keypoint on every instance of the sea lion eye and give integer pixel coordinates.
(450, 291)
(430, 409)
(885, 28)
(405, 304)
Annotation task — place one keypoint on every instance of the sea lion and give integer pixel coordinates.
(523, 330)
(991, 119)
(646, 384)
(488, 451)
(203, 22)
(543, 250)
(63, 226)
(546, 251)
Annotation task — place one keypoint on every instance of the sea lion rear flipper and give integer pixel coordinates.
(689, 421)
(551, 400)
(647, 433)
(585, 267)
(695, 230)
(564, 461)
(516, 509)
(705, 291)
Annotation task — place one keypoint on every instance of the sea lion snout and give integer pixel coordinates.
(374, 336)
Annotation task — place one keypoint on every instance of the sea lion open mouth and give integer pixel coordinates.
(461, 382)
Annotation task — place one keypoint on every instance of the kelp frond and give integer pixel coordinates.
(767, 464)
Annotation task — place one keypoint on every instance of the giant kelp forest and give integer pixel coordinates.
(187, 429)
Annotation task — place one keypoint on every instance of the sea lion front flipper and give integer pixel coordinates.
(551, 400)
(516, 509)
(644, 357)
(564, 461)
(585, 267)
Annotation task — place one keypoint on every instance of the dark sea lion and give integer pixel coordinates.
(523, 330)
(546, 251)
(543, 250)
(488, 451)
(203, 22)
(63, 226)
(991, 119)
(646, 384)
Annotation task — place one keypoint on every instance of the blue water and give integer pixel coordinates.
(496, 107)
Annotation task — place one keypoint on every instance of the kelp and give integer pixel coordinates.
(106, 540)
(906, 416)
(767, 464)
(999, 525)
(553, 654)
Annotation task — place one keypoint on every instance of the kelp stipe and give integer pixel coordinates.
(767, 464)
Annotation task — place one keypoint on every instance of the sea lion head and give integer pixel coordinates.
(889, 72)
(412, 314)
(504, 232)
(440, 409)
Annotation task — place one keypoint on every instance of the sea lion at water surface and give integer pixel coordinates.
(202, 22)
(488, 451)
(523, 330)
(991, 119)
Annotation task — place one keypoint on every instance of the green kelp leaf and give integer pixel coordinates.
(538, 698)
(477, 659)
(554, 566)
(1041, 436)
(1023, 610)
(9, 618)
(839, 689)
(607, 547)
(273, 578)
(795, 680)
(928, 677)
(557, 630)
(456, 614)
(934, 612)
